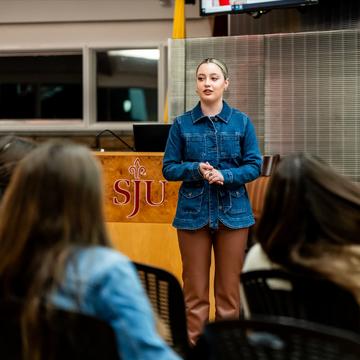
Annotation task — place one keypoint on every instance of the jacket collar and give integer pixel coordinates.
(224, 115)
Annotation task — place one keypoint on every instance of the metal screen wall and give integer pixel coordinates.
(302, 90)
(312, 89)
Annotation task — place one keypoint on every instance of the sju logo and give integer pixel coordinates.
(123, 187)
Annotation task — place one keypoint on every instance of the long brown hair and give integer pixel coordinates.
(53, 204)
(311, 221)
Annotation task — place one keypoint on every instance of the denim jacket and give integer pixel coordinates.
(103, 283)
(228, 142)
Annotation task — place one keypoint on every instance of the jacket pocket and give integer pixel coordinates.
(194, 147)
(190, 200)
(230, 145)
(234, 201)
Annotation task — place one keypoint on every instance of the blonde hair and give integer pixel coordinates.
(222, 66)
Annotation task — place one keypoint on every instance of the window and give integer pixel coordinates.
(41, 87)
(82, 89)
(127, 85)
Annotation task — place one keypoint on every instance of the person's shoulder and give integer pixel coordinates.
(235, 115)
(256, 251)
(240, 114)
(184, 117)
(190, 116)
(257, 259)
(104, 252)
(100, 259)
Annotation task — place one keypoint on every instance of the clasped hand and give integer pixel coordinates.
(212, 175)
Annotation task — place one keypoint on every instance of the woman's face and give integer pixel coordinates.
(210, 83)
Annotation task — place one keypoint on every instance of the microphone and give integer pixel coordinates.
(98, 136)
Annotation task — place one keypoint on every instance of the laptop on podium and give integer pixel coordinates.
(150, 137)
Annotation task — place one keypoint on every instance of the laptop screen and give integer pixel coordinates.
(150, 137)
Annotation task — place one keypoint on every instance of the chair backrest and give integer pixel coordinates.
(269, 164)
(64, 335)
(275, 339)
(279, 293)
(257, 188)
(166, 296)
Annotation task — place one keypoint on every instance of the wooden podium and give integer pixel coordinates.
(139, 208)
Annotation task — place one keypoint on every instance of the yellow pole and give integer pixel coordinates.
(166, 110)
(179, 32)
(179, 20)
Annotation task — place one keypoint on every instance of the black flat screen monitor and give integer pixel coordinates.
(150, 137)
(215, 7)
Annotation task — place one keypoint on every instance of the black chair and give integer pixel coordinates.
(64, 335)
(279, 293)
(166, 296)
(275, 339)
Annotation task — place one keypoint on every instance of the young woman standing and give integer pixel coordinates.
(213, 150)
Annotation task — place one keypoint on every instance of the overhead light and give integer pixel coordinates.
(149, 54)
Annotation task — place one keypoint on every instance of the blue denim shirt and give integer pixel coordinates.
(103, 283)
(228, 142)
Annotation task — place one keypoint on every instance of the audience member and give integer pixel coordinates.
(54, 251)
(12, 150)
(310, 224)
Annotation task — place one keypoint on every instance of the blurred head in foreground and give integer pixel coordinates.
(12, 150)
(311, 221)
